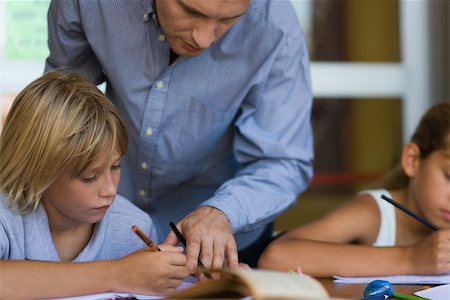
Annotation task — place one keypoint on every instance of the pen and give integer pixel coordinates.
(183, 241)
(410, 213)
(145, 238)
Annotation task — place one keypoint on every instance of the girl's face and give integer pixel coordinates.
(430, 186)
(71, 201)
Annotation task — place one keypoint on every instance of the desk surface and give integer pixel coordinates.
(355, 290)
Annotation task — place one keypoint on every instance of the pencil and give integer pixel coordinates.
(145, 238)
(183, 241)
(410, 213)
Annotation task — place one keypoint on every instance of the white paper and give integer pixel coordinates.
(401, 279)
(113, 296)
(110, 296)
(435, 293)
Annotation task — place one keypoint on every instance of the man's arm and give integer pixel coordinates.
(274, 144)
(69, 47)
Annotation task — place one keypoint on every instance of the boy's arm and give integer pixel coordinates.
(143, 272)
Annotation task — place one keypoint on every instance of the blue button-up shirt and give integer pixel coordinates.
(229, 128)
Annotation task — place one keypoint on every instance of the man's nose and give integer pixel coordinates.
(204, 33)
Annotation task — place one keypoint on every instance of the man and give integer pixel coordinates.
(217, 99)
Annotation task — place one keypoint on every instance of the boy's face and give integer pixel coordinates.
(191, 26)
(70, 200)
(431, 187)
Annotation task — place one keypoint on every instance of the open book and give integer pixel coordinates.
(257, 284)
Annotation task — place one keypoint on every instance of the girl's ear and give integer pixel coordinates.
(410, 159)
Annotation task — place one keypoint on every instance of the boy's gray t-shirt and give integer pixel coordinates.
(27, 236)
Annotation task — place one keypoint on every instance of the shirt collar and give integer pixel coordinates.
(149, 11)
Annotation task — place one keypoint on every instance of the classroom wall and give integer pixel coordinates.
(356, 140)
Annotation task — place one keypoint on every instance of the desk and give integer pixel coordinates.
(355, 290)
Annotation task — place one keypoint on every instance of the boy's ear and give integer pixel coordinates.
(410, 159)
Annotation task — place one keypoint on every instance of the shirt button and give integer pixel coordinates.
(144, 166)
(162, 37)
(160, 85)
(142, 193)
(149, 131)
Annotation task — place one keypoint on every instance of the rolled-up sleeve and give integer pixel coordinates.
(274, 143)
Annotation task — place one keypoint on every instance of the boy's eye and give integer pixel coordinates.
(89, 179)
(115, 167)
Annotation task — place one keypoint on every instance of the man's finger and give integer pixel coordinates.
(192, 252)
(206, 253)
(232, 254)
(218, 258)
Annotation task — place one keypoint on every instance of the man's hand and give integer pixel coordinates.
(209, 237)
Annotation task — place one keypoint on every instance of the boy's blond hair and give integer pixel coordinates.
(59, 123)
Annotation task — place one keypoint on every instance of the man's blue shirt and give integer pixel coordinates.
(229, 128)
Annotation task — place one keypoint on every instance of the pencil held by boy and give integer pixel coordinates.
(368, 236)
(63, 229)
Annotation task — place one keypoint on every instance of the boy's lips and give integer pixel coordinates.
(104, 207)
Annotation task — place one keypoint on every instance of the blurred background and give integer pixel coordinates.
(377, 65)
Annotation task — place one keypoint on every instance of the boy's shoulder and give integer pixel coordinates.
(123, 206)
(7, 210)
(125, 213)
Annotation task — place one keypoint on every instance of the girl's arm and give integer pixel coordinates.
(328, 246)
(429, 256)
(323, 259)
(143, 272)
(340, 244)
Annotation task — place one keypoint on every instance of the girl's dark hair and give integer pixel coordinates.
(431, 134)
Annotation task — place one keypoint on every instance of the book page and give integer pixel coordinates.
(259, 284)
(275, 285)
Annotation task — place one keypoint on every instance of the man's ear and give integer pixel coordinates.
(410, 159)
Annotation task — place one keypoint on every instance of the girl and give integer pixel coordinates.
(63, 229)
(342, 243)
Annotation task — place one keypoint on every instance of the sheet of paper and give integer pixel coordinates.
(401, 279)
(435, 293)
(110, 296)
(128, 296)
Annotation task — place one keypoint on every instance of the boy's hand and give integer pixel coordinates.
(149, 272)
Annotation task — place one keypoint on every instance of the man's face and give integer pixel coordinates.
(191, 26)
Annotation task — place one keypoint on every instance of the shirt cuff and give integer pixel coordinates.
(231, 207)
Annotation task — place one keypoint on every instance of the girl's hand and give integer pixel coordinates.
(431, 255)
